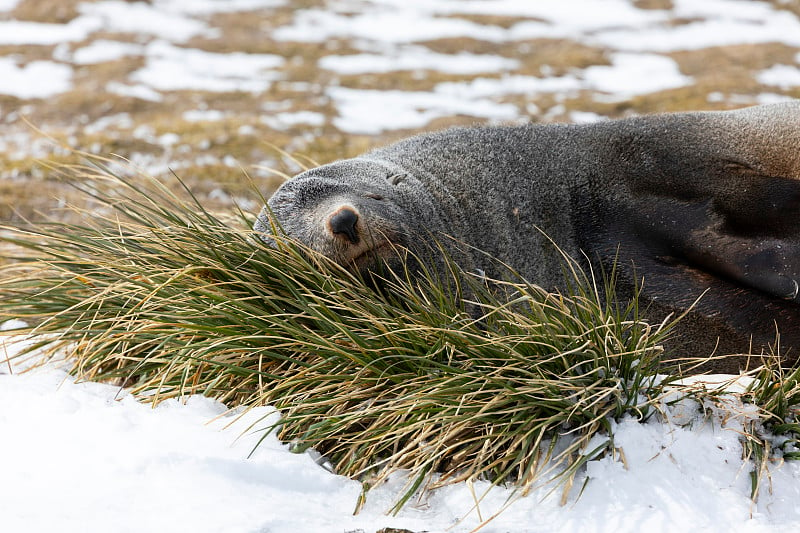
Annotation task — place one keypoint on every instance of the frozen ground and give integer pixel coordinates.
(193, 85)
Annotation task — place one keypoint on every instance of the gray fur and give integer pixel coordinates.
(688, 201)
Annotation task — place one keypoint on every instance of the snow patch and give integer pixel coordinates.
(15, 32)
(617, 24)
(143, 18)
(104, 50)
(703, 34)
(585, 117)
(206, 115)
(283, 121)
(635, 74)
(384, 26)
(118, 121)
(370, 112)
(782, 76)
(397, 21)
(140, 91)
(187, 466)
(209, 7)
(38, 79)
(171, 68)
(166, 19)
(417, 58)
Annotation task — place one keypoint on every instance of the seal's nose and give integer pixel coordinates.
(343, 222)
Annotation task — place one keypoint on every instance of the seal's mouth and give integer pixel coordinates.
(375, 255)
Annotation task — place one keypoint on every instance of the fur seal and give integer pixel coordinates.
(700, 203)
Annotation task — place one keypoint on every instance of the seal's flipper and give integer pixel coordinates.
(761, 252)
(752, 234)
(768, 265)
(721, 194)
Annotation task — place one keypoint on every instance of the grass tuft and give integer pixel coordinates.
(512, 384)
(776, 432)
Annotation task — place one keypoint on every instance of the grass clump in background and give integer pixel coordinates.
(153, 292)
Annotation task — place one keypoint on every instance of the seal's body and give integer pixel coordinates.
(688, 202)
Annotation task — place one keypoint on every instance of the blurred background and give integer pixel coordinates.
(218, 90)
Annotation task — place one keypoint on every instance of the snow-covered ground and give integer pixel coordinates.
(637, 41)
(87, 457)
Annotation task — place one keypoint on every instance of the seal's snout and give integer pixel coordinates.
(343, 222)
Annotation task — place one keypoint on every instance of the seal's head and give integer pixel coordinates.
(359, 213)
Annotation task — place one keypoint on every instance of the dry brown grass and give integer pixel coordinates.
(733, 64)
(653, 4)
(55, 11)
(502, 21)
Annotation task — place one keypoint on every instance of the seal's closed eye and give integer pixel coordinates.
(396, 179)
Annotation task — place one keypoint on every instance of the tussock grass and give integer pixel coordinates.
(775, 433)
(509, 383)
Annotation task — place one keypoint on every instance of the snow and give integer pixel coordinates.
(208, 115)
(38, 79)
(91, 456)
(16, 32)
(140, 91)
(209, 7)
(635, 74)
(585, 117)
(285, 120)
(416, 58)
(118, 121)
(400, 26)
(617, 24)
(173, 20)
(371, 111)
(171, 68)
(104, 50)
(83, 456)
(782, 28)
(783, 76)
(143, 18)
(397, 21)
(771, 98)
